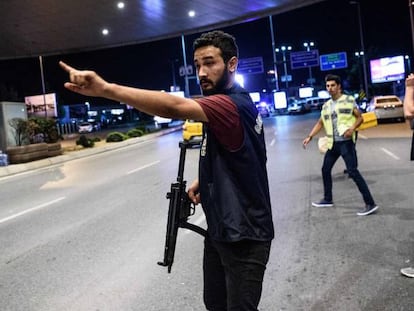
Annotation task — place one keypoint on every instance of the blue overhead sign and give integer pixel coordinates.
(304, 59)
(250, 65)
(333, 61)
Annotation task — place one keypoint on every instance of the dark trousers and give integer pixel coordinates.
(233, 274)
(345, 149)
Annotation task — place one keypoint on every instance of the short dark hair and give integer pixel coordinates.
(331, 77)
(220, 39)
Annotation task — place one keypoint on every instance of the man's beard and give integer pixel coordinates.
(220, 85)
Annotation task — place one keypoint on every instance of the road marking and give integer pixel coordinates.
(362, 136)
(31, 209)
(272, 142)
(390, 154)
(142, 167)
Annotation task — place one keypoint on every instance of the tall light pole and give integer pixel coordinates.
(410, 7)
(407, 57)
(359, 54)
(361, 37)
(284, 49)
(274, 53)
(308, 45)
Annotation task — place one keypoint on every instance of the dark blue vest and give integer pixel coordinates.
(234, 186)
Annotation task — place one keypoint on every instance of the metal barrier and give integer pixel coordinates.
(67, 128)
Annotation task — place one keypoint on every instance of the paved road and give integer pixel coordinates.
(85, 233)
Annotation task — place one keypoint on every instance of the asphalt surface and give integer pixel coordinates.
(95, 245)
(71, 151)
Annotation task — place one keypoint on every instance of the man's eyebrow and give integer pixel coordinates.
(205, 58)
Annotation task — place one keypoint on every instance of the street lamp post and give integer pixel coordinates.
(359, 54)
(308, 45)
(408, 63)
(410, 7)
(361, 37)
(284, 49)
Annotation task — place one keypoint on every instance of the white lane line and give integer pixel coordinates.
(272, 142)
(32, 209)
(390, 154)
(142, 167)
(361, 136)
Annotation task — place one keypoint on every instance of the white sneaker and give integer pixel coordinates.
(409, 272)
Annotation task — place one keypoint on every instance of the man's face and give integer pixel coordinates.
(211, 70)
(333, 88)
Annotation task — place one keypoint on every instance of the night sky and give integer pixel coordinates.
(332, 25)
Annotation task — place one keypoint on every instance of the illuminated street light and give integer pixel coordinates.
(359, 54)
(308, 45)
(361, 37)
(408, 63)
(284, 49)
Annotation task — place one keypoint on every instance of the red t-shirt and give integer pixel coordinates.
(223, 120)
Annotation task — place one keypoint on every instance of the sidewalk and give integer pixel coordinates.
(71, 151)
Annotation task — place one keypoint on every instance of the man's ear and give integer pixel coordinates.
(232, 64)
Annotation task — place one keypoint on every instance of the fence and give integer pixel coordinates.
(67, 128)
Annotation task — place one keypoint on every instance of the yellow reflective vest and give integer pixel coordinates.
(344, 109)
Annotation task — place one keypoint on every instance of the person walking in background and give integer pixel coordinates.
(340, 117)
(233, 183)
(409, 114)
(409, 97)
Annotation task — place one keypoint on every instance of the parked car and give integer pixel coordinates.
(162, 122)
(192, 131)
(388, 107)
(296, 106)
(85, 127)
(315, 103)
(263, 109)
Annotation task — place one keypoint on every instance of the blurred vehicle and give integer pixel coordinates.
(193, 131)
(85, 127)
(362, 104)
(388, 107)
(296, 106)
(263, 109)
(96, 125)
(315, 103)
(162, 122)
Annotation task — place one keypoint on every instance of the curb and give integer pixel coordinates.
(14, 169)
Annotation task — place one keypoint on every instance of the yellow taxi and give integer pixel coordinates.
(192, 131)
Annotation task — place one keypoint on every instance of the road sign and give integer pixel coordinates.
(286, 78)
(304, 59)
(333, 61)
(186, 71)
(250, 65)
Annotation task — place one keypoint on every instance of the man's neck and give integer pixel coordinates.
(336, 96)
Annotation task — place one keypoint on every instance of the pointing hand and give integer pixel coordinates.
(84, 82)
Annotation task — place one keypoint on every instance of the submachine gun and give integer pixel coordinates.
(180, 209)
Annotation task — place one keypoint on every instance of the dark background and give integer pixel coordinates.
(332, 25)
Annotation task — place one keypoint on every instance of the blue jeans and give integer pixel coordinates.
(345, 149)
(233, 274)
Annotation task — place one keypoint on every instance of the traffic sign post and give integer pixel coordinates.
(304, 59)
(333, 61)
(250, 65)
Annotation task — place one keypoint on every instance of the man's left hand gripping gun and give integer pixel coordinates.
(180, 209)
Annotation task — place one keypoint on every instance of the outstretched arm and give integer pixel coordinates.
(89, 83)
(409, 97)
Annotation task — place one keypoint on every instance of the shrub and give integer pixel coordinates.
(135, 133)
(85, 142)
(116, 137)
